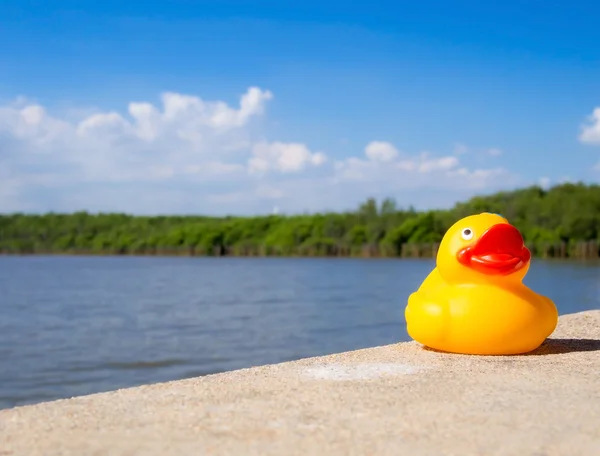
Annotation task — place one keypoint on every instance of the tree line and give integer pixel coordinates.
(562, 221)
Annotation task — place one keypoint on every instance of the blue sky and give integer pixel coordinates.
(451, 98)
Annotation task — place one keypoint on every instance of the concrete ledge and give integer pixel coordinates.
(392, 400)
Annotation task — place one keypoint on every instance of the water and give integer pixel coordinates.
(79, 325)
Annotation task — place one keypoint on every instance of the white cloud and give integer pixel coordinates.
(545, 182)
(189, 155)
(421, 170)
(461, 149)
(381, 151)
(590, 132)
(284, 157)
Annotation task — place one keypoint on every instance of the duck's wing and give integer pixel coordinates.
(432, 282)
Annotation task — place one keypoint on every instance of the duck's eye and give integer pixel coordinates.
(467, 234)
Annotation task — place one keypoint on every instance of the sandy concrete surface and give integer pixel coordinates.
(395, 400)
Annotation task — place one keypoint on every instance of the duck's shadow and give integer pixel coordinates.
(555, 347)
(559, 346)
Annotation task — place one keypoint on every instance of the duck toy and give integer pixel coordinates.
(474, 301)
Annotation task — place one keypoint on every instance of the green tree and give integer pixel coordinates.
(566, 214)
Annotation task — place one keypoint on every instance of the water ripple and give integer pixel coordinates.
(143, 364)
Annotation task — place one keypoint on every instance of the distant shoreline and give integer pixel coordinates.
(562, 222)
(581, 252)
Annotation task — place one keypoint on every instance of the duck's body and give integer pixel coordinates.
(474, 302)
(479, 319)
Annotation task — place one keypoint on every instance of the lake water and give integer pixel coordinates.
(79, 325)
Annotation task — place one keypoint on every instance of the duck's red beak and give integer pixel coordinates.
(499, 251)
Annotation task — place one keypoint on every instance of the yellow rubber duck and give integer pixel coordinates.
(474, 301)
